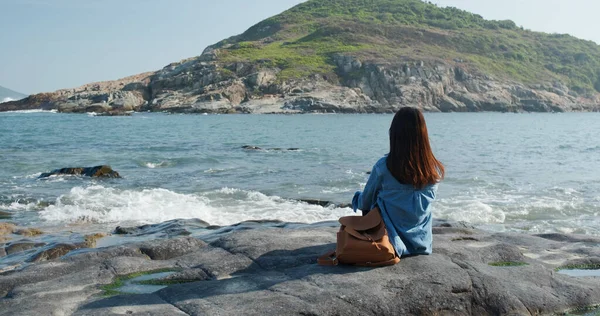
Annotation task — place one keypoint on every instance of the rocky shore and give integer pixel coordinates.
(205, 85)
(270, 268)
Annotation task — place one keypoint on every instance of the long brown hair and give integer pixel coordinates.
(411, 160)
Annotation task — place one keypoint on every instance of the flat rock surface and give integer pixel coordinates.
(271, 270)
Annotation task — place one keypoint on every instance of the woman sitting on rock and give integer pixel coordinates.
(403, 184)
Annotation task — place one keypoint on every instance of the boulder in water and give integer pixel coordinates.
(95, 172)
(5, 215)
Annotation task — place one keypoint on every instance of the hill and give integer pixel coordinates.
(364, 56)
(9, 95)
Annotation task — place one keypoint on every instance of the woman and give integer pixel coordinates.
(403, 184)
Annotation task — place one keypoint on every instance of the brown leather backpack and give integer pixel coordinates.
(362, 241)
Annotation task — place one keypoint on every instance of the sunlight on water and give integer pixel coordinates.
(526, 172)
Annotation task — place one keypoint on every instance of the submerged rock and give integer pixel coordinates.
(95, 172)
(28, 232)
(90, 240)
(173, 228)
(249, 147)
(6, 228)
(21, 246)
(55, 251)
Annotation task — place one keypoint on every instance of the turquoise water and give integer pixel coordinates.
(521, 172)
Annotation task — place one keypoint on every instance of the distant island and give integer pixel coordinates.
(7, 95)
(359, 56)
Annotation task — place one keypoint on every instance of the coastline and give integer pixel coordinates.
(270, 267)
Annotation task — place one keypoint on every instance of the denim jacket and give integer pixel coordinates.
(405, 210)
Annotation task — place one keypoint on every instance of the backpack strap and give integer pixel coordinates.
(328, 259)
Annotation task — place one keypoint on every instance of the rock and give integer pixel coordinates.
(2, 252)
(251, 147)
(95, 172)
(257, 271)
(448, 104)
(128, 230)
(6, 228)
(114, 113)
(53, 252)
(28, 232)
(171, 248)
(261, 79)
(90, 240)
(190, 275)
(21, 246)
(178, 227)
(206, 85)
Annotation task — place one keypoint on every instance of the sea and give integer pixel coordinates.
(530, 173)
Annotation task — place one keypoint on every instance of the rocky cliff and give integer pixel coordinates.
(357, 56)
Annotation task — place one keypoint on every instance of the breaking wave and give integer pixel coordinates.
(99, 204)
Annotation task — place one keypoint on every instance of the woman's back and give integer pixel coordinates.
(405, 210)
(403, 184)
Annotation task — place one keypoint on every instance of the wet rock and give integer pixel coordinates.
(251, 147)
(22, 246)
(129, 230)
(89, 241)
(171, 228)
(114, 113)
(248, 147)
(2, 252)
(6, 228)
(316, 202)
(95, 172)
(28, 232)
(53, 252)
(324, 203)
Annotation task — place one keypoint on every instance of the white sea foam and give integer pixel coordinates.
(555, 205)
(18, 206)
(29, 176)
(469, 211)
(153, 165)
(33, 111)
(226, 206)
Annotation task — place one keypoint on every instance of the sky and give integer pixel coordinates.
(47, 45)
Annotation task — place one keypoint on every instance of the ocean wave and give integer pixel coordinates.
(29, 176)
(226, 206)
(563, 204)
(474, 211)
(20, 206)
(32, 111)
(153, 165)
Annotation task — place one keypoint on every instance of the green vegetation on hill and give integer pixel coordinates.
(302, 40)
